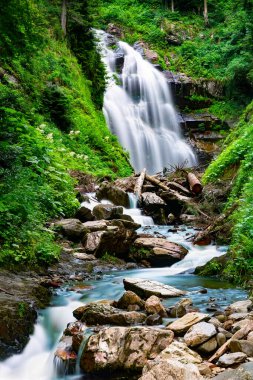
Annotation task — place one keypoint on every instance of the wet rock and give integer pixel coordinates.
(114, 30)
(239, 307)
(227, 360)
(115, 194)
(73, 229)
(130, 266)
(158, 251)
(151, 200)
(145, 52)
(127, 184)
(154, 319)
(101, 314)
(153, 305)
(65, 352)
(155, 207)
(180, 308)
(208, 346)
(84, 214)
(244, 346)
(122, 348)
(74, 328)
(107, 211)
(183, 324)
(199, 333)
(221, 339)
(129, 298)
(243, 372)
(170, 370)
(145, 288)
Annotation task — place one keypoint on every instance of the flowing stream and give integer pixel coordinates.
(37, 361)
(139, 110)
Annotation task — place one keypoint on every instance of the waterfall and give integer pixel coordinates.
(138, 108)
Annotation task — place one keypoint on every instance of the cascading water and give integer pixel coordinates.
(140, 110)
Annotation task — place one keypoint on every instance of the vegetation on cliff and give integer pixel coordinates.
(49, 123)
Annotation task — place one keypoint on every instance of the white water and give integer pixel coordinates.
(141, 113)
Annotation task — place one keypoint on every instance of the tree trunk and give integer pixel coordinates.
(172, 6)
(139, 184)
(206, 13)
(64, 17)
(194, 183)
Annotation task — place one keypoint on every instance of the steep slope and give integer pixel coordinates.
(49, 124)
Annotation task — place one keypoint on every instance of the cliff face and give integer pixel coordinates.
(49, 123)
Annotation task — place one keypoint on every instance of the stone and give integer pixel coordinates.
(238, 316)
(123, 348)
(221, 339)
(74, 328)
(183, 324)
(129, 298)
(243, 372)
(154, 319)
(73, 229)
(250, 337)
(208, 346)
(152, 200)
(113, 193)
(170, 370)
(114, 30)
(227, 360)
(102, 314)
(84, 256)
(226, 333)
(240, 324)
(96, 225)
(158, 251)
(153, 305)
(84, 214)
(107, 211)
(244, 346)
(180, 308)
(179, 351)
(145, 288)
(199, 333)
(239, 307)
(215, 322)
(65, 352)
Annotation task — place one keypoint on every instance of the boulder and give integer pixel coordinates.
(116, 239)
(239, 307)
(243, 372)
(73, 229)
(145, 288)
(158, 251)
(114, 30)
(208, 346)
(244, 346)
(153, 305)
(102, 314)
(96, 225)
(151, 200)
(179, 351)
(250, 337)
(84, 214)
(123, 348)
(183, 324)
(129, 298)
(227, 360)
(154, 319)
(84, 256)
(199, 333)
(107, 211)
(64, 351)
(115, 194)
(170, 370)
(180, 308)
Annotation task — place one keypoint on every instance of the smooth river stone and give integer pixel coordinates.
(183, 324)
(199, 333)
(145, 288)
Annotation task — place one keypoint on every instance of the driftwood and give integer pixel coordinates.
(214, 227)
(139, 184)
(180, 188)
(194, 183)
(240, 334)
(170, 192)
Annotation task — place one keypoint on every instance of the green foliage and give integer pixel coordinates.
(110, 258)
(48, 126)
(236, 162)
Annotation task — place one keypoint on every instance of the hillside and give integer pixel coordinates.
(51, 123)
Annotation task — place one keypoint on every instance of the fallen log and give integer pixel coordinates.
(240, 334)
(139, 184)
(214, 227)
(194, 184)
(180, 188)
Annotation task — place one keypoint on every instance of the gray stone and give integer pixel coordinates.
(199, 333)
(145, 288)
(96, 225)
(208, 346)
(244, 346)
(221, 339)
(84, 256)
(180, 308)
(243, 372)
(84, 214)
(113, 193)
(239, 307)
(73, 229)
(170, 370)
(152, 200)
(228, 360)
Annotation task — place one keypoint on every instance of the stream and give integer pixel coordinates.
(37, 362)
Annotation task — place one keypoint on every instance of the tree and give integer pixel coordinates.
(206, 12)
